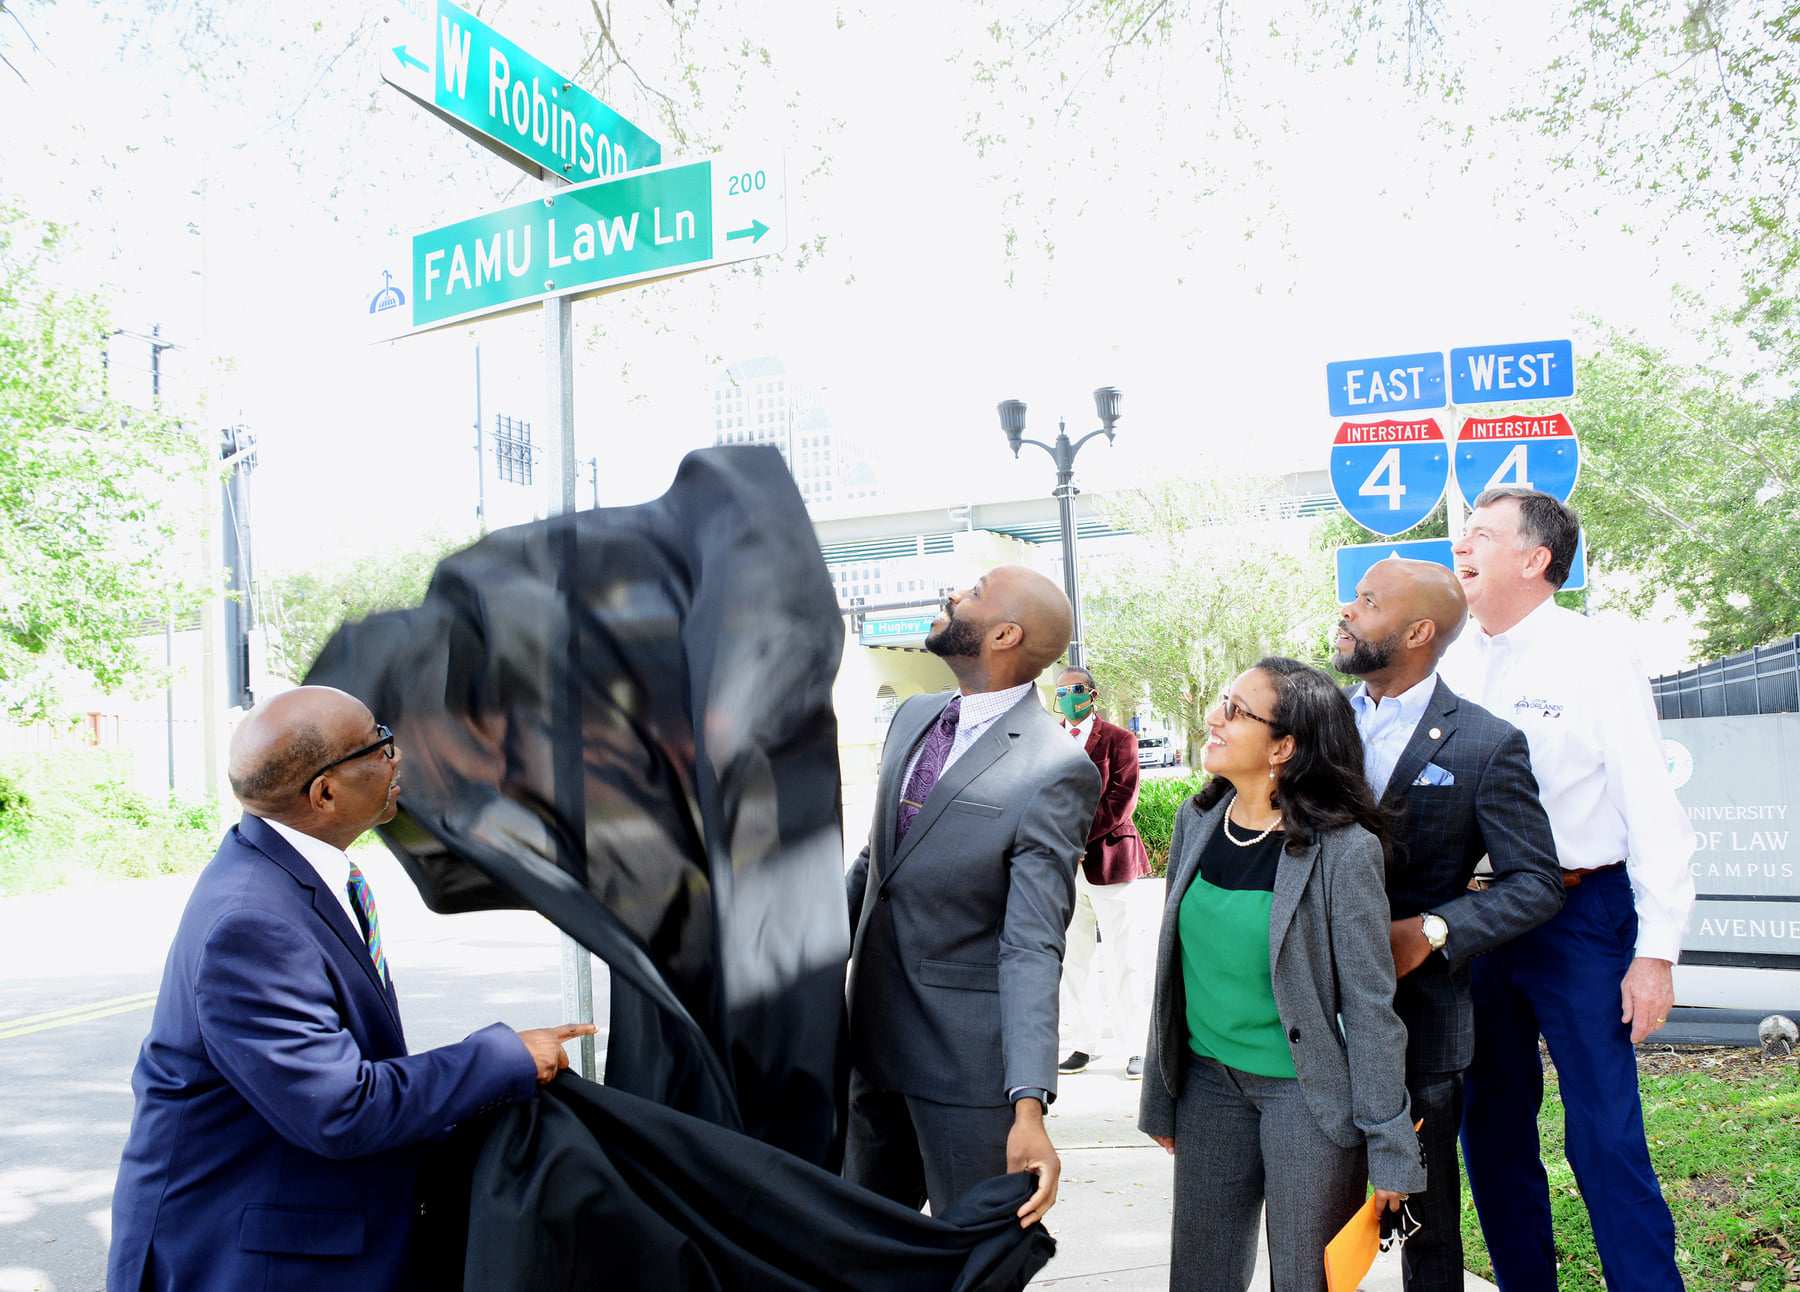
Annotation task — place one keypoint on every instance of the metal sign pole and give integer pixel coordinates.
(1453, 500)
(559, 410)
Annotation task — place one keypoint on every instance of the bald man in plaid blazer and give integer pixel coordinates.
(1459, 782)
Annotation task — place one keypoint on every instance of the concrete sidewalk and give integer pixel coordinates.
(1112, 1215)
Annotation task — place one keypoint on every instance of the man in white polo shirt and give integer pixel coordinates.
(1597, 978)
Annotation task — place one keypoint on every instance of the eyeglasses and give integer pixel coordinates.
(1080, 688)
(385, 742)
(1234, 710)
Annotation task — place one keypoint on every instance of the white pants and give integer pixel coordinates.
(1122, 996)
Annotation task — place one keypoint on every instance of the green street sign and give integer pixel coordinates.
(582, 241)
(453, 64)
(907, 630)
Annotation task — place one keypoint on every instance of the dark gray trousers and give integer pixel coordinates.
(911, 1149)
(1432, 1260)
(1242, 1141)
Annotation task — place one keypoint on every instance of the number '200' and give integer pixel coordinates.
(747, 182)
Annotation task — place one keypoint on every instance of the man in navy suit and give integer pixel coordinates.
(275, 1138)
(1460, 783)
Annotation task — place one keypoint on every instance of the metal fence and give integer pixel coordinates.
(1763, 680)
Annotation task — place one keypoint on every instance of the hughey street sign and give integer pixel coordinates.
(455, 65)
(586, 239)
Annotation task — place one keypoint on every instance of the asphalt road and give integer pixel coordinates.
(78, 974)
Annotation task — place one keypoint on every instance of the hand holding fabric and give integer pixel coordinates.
(1028, 1148)
(545, 1045)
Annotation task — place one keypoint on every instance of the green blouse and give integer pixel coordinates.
(1224, 929)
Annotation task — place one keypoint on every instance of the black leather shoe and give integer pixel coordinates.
(1077, 1060)
(1134, 1067)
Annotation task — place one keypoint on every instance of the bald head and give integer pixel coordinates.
(1041, 610)
(284, 739)
(1403, 618)
(1427, 590)
(1006, 629)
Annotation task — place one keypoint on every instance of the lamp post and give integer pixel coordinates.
(1012, 421)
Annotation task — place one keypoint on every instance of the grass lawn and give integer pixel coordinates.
(1724, 1133)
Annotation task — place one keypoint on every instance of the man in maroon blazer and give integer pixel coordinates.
(1115, 857)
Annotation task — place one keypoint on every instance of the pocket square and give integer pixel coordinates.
(1435, 775)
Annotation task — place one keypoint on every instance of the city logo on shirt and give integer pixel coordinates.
(1543, 707)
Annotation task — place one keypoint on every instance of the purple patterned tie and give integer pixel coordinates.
(933, 750)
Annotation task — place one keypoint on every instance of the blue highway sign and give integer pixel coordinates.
(1535, 452)
(1398, 383)
(1355, 561)
(1389, 475)
(1494, 374)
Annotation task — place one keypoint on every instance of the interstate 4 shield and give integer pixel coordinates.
(1389, 475)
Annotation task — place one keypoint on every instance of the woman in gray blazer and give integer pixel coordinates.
(1276, 1064)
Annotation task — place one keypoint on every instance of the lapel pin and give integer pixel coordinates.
(1435, 734)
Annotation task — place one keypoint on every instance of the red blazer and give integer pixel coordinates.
(1115, 854)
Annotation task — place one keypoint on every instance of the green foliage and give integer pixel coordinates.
(1723, 1147)
(308, 606)
(1216, 580)
(81, 819)
(1690, 108)
(15, 806)
(1689, 485)
(98, 502)
(1159, 798)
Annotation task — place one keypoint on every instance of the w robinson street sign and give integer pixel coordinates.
(455, 65)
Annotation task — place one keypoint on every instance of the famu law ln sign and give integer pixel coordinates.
(588, 239)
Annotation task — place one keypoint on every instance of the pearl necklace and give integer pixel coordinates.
(1245, 843)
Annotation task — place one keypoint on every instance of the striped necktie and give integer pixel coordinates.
(363, 900)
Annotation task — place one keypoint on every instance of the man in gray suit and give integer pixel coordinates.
(959, 904)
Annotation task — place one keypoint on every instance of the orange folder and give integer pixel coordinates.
(1350, 1255)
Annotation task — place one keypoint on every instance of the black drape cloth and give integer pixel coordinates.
(586, 1187)
(622, 718)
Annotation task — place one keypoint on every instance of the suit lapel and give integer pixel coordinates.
(1187, 867)
(1435, 727)
(1291, 874)
(909, 725)
(991, 745)
(325, 905)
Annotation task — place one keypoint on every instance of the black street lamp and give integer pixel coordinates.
(1012, 421)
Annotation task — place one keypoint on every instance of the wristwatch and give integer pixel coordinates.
(1435, 930)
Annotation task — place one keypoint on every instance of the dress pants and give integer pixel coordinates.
(1242, 1141)
(1432, 1259)
(913, 1150)
(1124, 996)
(1562, 979)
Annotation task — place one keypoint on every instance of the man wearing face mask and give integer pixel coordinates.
(1115, 857)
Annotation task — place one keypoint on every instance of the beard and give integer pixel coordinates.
(1366, 656)
(958, 638)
